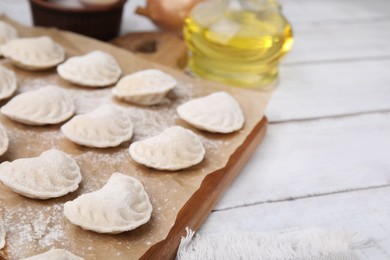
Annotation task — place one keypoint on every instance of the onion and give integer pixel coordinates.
(168, 14)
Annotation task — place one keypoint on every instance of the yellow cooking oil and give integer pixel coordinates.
(238, 47)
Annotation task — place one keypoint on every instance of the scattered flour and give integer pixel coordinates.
(29, 229)
(34, 226)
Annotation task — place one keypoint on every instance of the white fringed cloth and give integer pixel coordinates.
(310, 244)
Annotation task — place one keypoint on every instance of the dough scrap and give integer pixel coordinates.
(50, 175)
(55, 254)
(8, 83)
(146, 87)
(94, 69)
(4, 142)
(38, 53)
(2, 234)
(174, 149)
(106, 126)
(7, 33)
(47, 105)
(218, 113)
(122, 204)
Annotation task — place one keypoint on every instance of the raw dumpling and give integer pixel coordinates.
(95, 69)
(218, 113)
(7, 33)
(121, 205)
(147, 87)
(174, 149)
(2, 235)
(106, 126)
(51, 175)
(7, 83)
(3, 140)
(34, 53)
(55, 254)
(47, 105)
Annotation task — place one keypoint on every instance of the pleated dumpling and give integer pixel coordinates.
(121, 205)
(4, 142)
(55, 254)
(218, 113)
(7, 83)
(95, 69)
(174, 149)
(38, 53)
(7, 33)
(45, 106)
(2, 234)
(106, 126)
(50, 175)
(146, 87)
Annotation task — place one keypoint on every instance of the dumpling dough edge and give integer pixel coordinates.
(175, 167)
(186, 115)
(69, 209)
(4, 141)
(12, 84)
(2, 234)
(28, 119)
(68, 130)
(43, 195)
(89, 83)
(31, 66)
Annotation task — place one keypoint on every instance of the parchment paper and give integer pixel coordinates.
(35, 226)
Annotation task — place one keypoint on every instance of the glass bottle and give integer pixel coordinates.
(237, 42)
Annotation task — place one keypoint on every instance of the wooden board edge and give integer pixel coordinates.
(198, 207)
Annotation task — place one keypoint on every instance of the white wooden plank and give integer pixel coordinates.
(324, 30)
(18, 10)
(365, 211)
(304, 11)
(320, 90)
(317, 157)
(330, 41)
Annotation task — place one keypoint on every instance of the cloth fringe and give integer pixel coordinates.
(310, 244)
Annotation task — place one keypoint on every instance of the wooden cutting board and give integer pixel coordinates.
(170, 50)
(179, 199)
(196, 210)
(160, 47)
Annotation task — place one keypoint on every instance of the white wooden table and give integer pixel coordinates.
(325, 161)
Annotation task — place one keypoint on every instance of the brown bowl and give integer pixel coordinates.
(100, 22)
